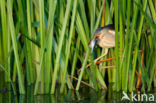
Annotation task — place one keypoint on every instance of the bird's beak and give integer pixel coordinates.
(92, 44)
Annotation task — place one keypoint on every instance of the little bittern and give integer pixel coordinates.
(105, 38)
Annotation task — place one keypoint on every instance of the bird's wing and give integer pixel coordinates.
(112, 32)
(109, 39)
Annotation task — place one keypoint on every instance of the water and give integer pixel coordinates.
(84, 95)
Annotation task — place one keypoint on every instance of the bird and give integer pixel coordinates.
(105, 38)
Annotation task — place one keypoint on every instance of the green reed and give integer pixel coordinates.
(45, 42)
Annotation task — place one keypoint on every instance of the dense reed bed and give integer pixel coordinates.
(45, 43)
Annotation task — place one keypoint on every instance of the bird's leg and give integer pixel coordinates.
(106, 51)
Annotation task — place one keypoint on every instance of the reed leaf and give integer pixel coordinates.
(13, 36)
(136, 50)
(69, 44)
(60, 47)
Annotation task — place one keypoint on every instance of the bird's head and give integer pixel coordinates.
(93, 41)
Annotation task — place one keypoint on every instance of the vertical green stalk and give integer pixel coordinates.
(82, 70)
(52, 7)
(1, 49)
(116, 46)
(60, 46)
(81, 31)
(136, 50)
(123, 35)
(98, 18)
(9, 48)
(152, 10)
(121, 44)
(36, 51)
(22, 18)
(92, 15)
(29, 44)
(100, 78)
(23, 26)
(122, 15)
(46, 47)
(12, 31)
(68, 45)
(39, 73)
(124, 77)
(83, 13)
(42, 38)
(130, 44)
(75, 58)
(152, 74)
(5, 36)
(108, 16)
(122, 39)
